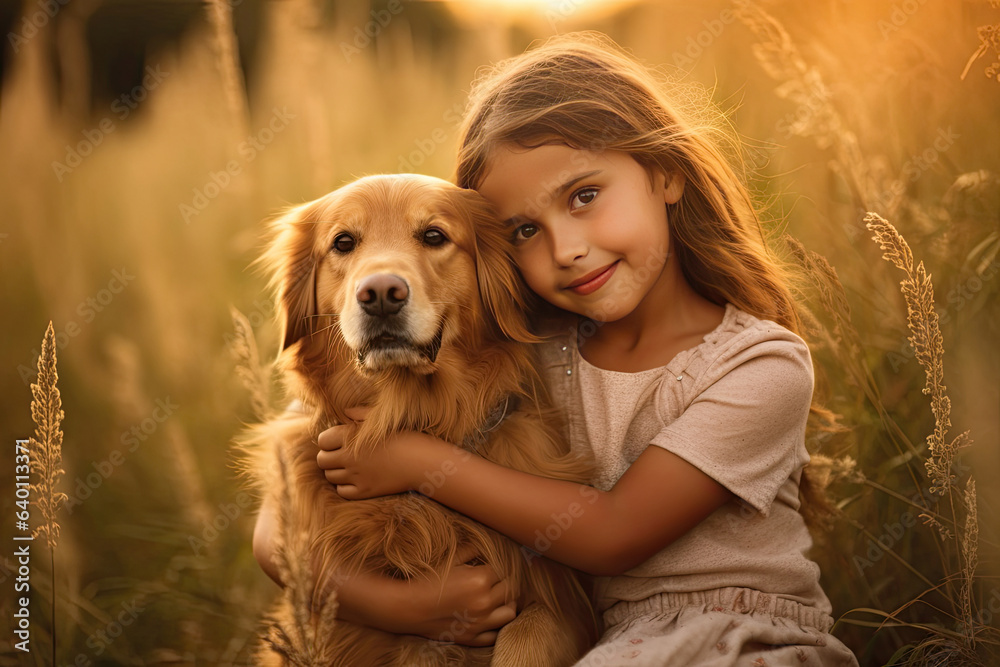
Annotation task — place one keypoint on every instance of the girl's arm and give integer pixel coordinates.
(658, 499)
(468, 607)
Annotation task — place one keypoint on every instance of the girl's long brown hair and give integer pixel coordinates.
(584, 91)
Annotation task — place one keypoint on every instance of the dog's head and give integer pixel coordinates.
(405, 267)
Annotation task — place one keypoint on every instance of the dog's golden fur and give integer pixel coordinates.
(453, 362)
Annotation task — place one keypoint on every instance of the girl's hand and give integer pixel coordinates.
(469, 606)
(396, 466)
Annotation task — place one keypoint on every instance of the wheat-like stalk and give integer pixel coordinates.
(220, 16)
(46, 446)
(248, 367)
(932, 521)
(823, 278)
(970, 558)
(989, 40)
(802, 84)
(300, 639)
(927, 342)
(46, 456)
(844, 340)
(307, 15)
(928, 348)
(830, 470)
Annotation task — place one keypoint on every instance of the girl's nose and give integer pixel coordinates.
(568, 247)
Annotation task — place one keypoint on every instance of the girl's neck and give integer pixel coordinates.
(670, 319)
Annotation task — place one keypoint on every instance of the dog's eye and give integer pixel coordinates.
(343, 243)
(434, 237)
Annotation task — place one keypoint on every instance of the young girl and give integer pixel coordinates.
(675, 362)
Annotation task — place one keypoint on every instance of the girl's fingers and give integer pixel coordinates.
(498, 618)
(505, 614)
(333, 460)
(347, 491)
(326, 459)
(503, 595)
(336, 476)
(332, 438)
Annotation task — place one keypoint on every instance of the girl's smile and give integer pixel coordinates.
(593, 281)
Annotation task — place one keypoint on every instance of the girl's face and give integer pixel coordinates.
(590, 229)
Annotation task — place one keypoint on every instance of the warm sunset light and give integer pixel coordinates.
(698, 298)
(546, 10)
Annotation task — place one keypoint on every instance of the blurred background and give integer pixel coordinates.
(142, 144)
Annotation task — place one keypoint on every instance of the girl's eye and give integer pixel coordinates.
(434, 237)
(583, 197)
(343, 243)
(525, 232)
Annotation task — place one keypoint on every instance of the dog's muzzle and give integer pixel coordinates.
(382, 298)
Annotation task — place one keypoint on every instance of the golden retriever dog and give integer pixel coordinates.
(398, 293)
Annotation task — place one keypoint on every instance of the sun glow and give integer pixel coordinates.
(561, 9)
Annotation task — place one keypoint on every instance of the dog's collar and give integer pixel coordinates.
(494, 418)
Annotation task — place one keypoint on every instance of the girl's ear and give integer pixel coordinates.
(500, 287)
(673, 186)
(291, 261)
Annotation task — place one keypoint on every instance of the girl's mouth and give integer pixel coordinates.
(593, 281)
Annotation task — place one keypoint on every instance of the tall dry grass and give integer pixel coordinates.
(301, 639)
(927, 600)
(167, 530)
(45, 450)
(989, 44)
(956, 517)
(46, 445)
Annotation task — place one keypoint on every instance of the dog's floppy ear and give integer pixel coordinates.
(291, 261)
(500, 286)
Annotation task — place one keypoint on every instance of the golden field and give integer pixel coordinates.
(131, 222)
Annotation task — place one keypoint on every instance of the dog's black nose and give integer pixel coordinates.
(382, 294)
